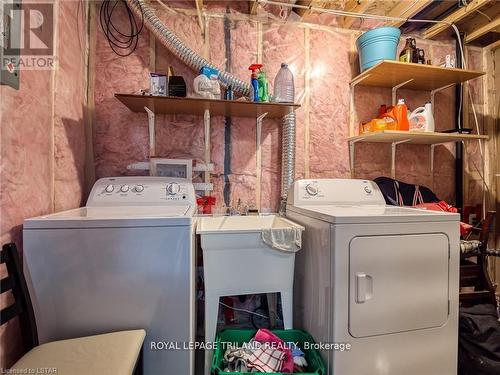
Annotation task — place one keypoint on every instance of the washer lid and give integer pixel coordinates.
(359, 214)
(114, 217)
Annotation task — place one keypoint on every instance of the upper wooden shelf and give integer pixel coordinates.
(197, 106)
(389, 73)
(423, 138)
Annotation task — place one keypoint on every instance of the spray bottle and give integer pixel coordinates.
(254, 83)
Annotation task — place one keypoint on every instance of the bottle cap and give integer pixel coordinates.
(284, 65)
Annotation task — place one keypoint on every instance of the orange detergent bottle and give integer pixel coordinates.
(399, 113)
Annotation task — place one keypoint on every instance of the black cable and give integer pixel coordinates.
(123, 42)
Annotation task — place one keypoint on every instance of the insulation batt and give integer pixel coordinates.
(121, 136)
(42, 145)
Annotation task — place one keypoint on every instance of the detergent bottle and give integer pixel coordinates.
(206, 85)
(421, 119)
(263, 86)
(254, 83)
(400, 114)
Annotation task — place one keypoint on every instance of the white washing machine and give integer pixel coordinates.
(382, 279)
(125, 261)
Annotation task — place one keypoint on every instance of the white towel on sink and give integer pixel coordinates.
(283, 239)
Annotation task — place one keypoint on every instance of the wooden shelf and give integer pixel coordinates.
(424, 77)
(392, 136)
(197, 106)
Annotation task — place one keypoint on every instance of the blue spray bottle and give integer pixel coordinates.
(254, 81)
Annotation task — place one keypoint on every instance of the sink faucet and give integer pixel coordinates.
(239, 209)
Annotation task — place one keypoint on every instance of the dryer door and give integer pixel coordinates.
(397, 283)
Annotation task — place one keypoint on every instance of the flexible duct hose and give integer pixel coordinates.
(195, 61)
(179, 49)
(287, 158)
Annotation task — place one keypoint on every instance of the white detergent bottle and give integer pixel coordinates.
(421, 119)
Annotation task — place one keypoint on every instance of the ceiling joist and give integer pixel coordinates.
(357, 6)
(493, 26)
(454, 17)
(302, 12)
(407, 9)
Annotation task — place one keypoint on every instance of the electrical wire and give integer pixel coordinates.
(123, 41)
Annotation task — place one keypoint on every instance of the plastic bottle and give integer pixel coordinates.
(400, 113)
(421, 119)
(284, 90)
(206, 84)
(254, 83)
(263, 86)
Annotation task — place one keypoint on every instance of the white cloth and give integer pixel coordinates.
(283, 239)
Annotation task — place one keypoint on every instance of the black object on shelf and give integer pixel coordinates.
(459, 131)
(177, 86)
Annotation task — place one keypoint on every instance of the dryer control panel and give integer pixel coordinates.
(141, 191)
(335, 192)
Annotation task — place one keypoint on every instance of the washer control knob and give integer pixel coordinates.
(173, 188)
(312, 189)
(124, 188)
(109, 189)
(139, 188)
(368, 190)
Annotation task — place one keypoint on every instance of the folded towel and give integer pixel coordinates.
(267, 360)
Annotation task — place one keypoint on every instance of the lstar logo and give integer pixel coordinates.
(28, 32)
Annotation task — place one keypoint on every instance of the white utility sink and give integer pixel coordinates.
(242, 224)
(237, 261)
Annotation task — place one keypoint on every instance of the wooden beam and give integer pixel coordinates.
(252, 7)
(199, 10)
(358, 6)
(407, 9)
(301, 11)
(490, 26)
(493, 46)
(454, 17)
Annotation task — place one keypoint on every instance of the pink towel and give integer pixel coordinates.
(264, 335)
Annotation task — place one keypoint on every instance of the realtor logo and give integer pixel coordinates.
(28, 35)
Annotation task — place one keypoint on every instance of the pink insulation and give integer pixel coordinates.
(121, 136)
(26, 171)
(42, 152)
(69, 97)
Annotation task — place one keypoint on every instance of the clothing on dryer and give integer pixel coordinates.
(399, 193)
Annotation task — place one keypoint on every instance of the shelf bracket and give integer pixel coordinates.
(433, 94)
(152, 131)
(258, 161)
(393, 156)
(352, 85)
(433, 147)
(395, 90)
(351, 155)
(206, 125)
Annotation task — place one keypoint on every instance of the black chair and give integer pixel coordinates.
(117, 353)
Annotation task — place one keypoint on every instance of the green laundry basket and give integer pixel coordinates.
(241, 336)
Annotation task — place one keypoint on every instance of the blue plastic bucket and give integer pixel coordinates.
(377, 45)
